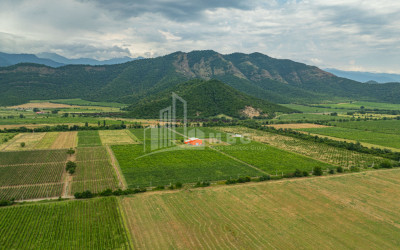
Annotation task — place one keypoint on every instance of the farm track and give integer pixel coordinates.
(114, 163)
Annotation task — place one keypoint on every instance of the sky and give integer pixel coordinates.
(357, 35)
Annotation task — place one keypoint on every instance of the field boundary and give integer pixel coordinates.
(115, 164)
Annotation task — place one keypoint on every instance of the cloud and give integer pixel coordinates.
(318, 32)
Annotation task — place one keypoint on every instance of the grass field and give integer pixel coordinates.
(332, 155)
(311, 109)
(89, 138)
(31, 140)
(357, 211)
(66, 140)
(31, 174)
(94, 171)
(270, 159)
(85, 224)
(185, 166)
(367, 105)
(381, 126)
(308, 117)
(113, 137)
(382, 139)
(81, 102)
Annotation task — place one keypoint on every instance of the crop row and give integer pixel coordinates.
(32, 157)
(88, 224)
(31, 174)
(89, 138)
(31, 191)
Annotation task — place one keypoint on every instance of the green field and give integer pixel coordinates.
(81, 102)
(367, 105)
(313, 109)
(31, 174)
(387, 140)
(307, 117)
(270, 159)
(381, 126)
(357, 211)
(89, 138)
(186, 166)
(87, 224)
(94, 171)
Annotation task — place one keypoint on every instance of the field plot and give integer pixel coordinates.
(94, 171)
(47, 141)
(382, 139)
(65, 140)
(115, 137)
(89, 138)
(296, 126)
(270, 159)
(31, 174)
(30, 140)
(5, 137)
(185, 166)
(380, 126)
(318, 151)
(342, 212)
(308, 117)
(84, 224)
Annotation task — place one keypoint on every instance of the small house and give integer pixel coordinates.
(194, 141)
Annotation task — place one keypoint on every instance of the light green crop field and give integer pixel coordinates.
(381, 126)
(81, 102)
(313, 109)
(355, 211)
(186, 166)
(89, 138)
(84, 224)
(367, 105)
(308, 117)
(382, 139)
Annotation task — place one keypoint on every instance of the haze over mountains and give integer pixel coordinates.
(365, 76)
(55, 60)
(256, 75)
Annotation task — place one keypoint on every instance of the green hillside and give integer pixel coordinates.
(257, 75)
(205, 99)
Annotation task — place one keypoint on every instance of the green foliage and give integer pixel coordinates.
(70, 167)
(318, 171)
(71, 151)
(22, 144)
(340, 169)
(386, 164)
(89, 138)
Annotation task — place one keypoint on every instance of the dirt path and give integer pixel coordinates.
(114, 163)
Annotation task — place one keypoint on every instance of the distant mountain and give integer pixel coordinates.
(205, 99)
(85, 61)
(257, 75)
(55, 60)
(11, 59)
(366, 76)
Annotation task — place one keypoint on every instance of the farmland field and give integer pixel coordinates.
(185, 166)
(31, 174)
(308, 117)
(87, 224)
(332, 155)
(111, 137)
(357, 211)
(5, 137)
(382, 139)
(94, 171)
(31, 140)
(270, 159)
(380, 126)
(66, 140)
(47, 141)
(89, 138)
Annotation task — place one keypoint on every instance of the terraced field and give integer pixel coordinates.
(355, 211)
(94, 171)
(186, 166)
(32, 174)
(84, 224)
(322, 152)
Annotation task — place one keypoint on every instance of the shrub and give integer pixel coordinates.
(340, 170)
(71, 151)
(178, 185)
(84, 195)
(159, 188)
(70, 167)
(298, 173)
(22, 144)
(386, 164)
(264, 178)
(317, 171)
(332, 171)
(107, 192)
(354, 169)
(305, 173)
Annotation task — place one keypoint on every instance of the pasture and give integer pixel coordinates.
(338, 212)
(84, 224)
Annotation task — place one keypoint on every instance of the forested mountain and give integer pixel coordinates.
(274, 80)
(205, 99)
(11, 59)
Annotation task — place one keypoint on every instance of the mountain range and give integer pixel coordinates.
(256, 75)
(366, 76)
(55, 60)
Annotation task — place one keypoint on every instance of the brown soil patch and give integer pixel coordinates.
(249, 111)
(297, 125)
(65, 140)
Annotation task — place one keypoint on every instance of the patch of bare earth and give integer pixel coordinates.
(251, 112)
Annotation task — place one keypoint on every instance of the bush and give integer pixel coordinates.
(22, 144)
(4, 203)
(70, 167)
(107, 192)
(264, 178)
(317, 171)
(386, 164)
(298, 173)
(340, 170)
(159, 188)
(84, 195)
(332, 171)
(71, 151)
(178, 185)
(305, 173)
(354, 169)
